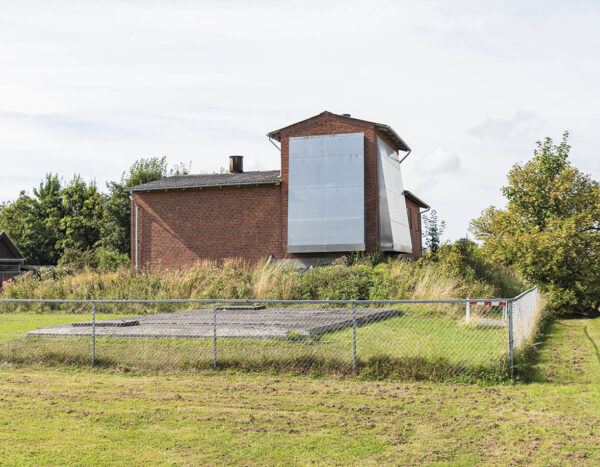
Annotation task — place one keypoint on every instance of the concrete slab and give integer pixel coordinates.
(235, 323)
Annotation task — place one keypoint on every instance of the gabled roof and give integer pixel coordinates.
(387, 131)
(180, 182)
(14, 255)
(422, 204)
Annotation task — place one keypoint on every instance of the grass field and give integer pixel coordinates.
(18, 324)
(418, 343)
(77, 416)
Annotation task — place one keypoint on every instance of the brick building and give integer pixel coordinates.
(339, 190)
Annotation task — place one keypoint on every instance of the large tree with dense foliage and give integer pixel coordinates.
(33, 222)
(75, 217)
(83, 212)
(550, 229)
(116, 230)
(55, 218)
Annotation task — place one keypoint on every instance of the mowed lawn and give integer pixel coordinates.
(65, 416)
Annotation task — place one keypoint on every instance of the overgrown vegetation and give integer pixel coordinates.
(77, 220)
(456, 271)
(550, 229)
(385, 349)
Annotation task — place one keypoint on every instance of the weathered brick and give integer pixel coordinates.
(180, 227)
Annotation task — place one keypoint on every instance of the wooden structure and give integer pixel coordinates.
(11, 259)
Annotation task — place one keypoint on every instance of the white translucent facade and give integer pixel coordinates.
(394, 230)
(326, 206)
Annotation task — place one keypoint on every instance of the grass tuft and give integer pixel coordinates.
(389, 280)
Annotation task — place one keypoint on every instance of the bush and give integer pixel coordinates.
(110, 260)
(458, 271)
(75, 260)
(550, 229)
(466, 259)
(104, 259)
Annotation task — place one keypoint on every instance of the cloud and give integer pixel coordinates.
(521, 126)
(488, 187)
(71, 125)
(441, 160)
(426, 186)
(89, 87)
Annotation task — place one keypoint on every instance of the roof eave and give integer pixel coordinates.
(418, 201)
(276, 135)
(220, 185)
(385, 129)
(394, 138)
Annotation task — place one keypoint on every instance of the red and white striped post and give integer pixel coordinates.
(468, 311)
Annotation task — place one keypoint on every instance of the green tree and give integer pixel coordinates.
(77, 218)
(33, 222)
(116, 227)
(550, 228)
(434, 229)
(56, 217)
(82, 215)
(20, 221)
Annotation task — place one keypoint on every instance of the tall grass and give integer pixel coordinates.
(390, 280)
(446, 276)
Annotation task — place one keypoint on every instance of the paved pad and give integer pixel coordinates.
(258, 324)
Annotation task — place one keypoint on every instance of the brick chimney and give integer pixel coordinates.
(236, 164)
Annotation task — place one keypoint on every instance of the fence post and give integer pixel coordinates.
(354, 336)
(468, 311)
(93, 333)
(509, 306)
(215, 335)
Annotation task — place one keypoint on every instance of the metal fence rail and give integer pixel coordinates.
(426, 338)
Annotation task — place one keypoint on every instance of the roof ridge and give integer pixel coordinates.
(211, 174)
(255, 177)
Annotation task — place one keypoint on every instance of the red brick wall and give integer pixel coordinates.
(414, 221)
(328, 124)
(179, 227)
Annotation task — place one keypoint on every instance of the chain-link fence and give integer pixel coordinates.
(432, 339)
(526, 309)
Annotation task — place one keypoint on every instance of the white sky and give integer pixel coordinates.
(89, 87)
